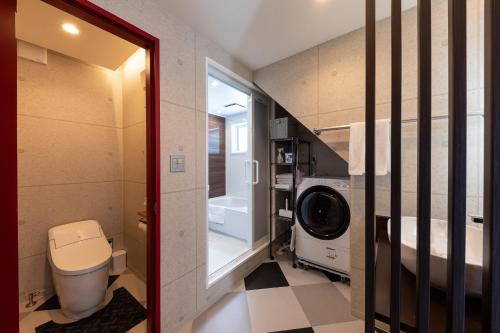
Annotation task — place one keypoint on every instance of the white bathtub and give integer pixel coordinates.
(439, 243)
(229, 215)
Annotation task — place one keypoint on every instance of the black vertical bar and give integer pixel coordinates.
(424, 165)
(396, 46)
(295, 154)
(457, 158)
(370, 170)
(272, 191)
(491, 228)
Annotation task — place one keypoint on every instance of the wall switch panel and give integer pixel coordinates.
(177, 163)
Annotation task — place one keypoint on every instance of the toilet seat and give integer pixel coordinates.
(69, 260)
(78, 248)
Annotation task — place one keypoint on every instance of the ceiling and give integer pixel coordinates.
(40, 24)
(261, 32)
(221, 94)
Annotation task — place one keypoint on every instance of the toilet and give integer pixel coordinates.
(79, 255)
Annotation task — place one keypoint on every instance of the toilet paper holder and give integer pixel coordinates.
(143, 216)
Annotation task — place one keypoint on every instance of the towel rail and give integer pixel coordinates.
(318, 131)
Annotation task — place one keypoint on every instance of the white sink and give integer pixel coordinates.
(439, 243)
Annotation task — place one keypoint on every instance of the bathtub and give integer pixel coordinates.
(229, 215)
(439, 241)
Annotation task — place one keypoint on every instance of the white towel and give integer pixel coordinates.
(382, 148)
(357, 149)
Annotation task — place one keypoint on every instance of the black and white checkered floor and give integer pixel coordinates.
(278, 298)
(275, 298)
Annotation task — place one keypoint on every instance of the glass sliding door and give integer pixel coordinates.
(229, 136)
(260, 162)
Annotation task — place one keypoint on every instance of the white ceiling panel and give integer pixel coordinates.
(41, 24)
(261, 32)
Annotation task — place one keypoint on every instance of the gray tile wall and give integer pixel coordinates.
(324, 86)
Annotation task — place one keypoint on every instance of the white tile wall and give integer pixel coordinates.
(177, 138)
(42, 207)
(136, 255)
(179, 65)
(341, 78)
(134, 195)
(295, 80)
(34, 274)
(178, 235)
(88, 94)
(60, 152)
(180, 302)
(134, 152)
(133, 95)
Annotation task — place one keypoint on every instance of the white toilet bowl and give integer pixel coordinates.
(79, 255)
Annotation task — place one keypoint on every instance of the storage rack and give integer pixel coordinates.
(293, 144)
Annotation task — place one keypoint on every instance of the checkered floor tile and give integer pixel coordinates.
(298, 330)
(267, 275)
(280, 299)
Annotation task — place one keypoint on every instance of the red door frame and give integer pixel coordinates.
(97, 16)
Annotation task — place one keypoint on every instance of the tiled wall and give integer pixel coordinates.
(69, 154)
(324, 86)
(183, 55)
(134, 159)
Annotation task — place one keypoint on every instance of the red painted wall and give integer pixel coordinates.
(8, 166)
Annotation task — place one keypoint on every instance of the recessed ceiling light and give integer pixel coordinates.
(215, 83)
(70, 28)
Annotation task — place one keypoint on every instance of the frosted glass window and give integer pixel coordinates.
(239, 138)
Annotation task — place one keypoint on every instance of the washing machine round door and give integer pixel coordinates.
(323, 212)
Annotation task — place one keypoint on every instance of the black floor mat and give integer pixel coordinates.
(53, 302)
(119, 316)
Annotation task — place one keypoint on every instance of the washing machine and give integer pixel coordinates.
(322, 224)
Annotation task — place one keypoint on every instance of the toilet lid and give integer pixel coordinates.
(78, 248)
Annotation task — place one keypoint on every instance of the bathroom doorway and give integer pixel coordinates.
(87, 152)
(238, 172)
